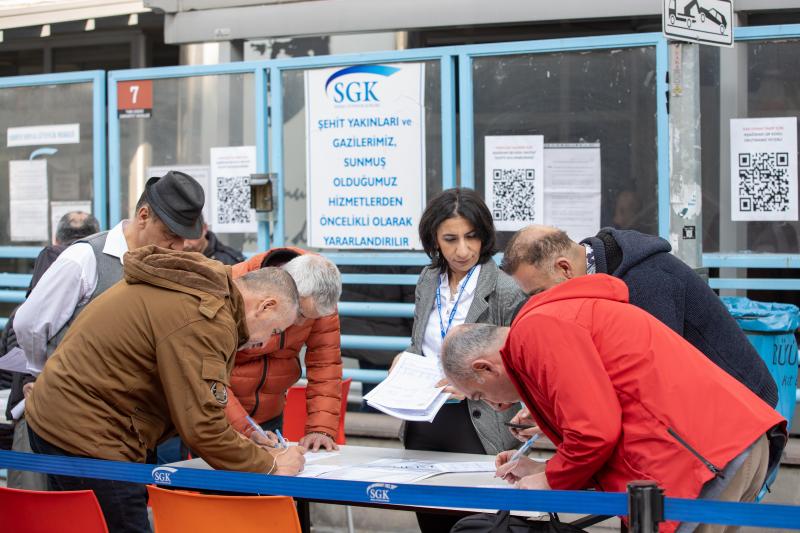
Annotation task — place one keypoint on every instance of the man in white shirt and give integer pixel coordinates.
(168, 212)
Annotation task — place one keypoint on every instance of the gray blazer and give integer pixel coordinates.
(497, 297)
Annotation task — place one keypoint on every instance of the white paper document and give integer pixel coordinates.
(14, 361)
(514, 180)
(764, 169)
(572, 188)
(432, 466)
(314, 457)
(386, 475)
(410, 392)
(315, 470)
(231, 167)
(28, 200)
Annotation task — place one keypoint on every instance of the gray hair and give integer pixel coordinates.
(75, 225)
(319, 278)
(464, 344)
(271, 281)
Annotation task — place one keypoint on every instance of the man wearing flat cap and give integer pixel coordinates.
(168, 212)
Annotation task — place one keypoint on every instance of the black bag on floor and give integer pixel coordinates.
(503, 522)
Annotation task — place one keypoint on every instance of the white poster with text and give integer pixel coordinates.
(365, 149)
(572, 188)
(514, 180)
(28, 200)
(764, 169)
(231, 167)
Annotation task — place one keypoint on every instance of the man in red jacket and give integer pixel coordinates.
(622, 396)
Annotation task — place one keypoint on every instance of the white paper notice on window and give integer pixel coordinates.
(200, 173)
(514, 180)
(231, 167)
(764, 169)
(572, 188)
(28, 200)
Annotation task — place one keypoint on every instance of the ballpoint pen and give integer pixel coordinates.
(524, 448)
(258, 429)
(281, 440)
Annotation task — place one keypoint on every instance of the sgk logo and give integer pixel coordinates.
(357, 90)
(379, 492)
(162, 474)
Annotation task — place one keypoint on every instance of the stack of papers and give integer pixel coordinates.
(410, 392)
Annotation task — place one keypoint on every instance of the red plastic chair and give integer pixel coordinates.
(33, 511)
(294, 413)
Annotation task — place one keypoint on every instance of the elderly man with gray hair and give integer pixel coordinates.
(263, 374)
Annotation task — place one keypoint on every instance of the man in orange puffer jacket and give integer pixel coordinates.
(261, 376)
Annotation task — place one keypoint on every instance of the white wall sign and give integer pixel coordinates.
(699, 21)
(200, 173)
(28, 200)
(365, 149)
(514, 180)
(572, 188)
(764, 169)
(40, 135)
(231, 167)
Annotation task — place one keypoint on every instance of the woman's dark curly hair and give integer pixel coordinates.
(452, 203)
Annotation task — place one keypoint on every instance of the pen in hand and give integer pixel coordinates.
(281, 440)
(258, 429)
(524, 448)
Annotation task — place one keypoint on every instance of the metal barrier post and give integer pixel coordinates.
(645, 506)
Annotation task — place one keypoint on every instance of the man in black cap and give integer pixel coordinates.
(168, 212)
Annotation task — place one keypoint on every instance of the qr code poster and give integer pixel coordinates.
(764, 169)
(230, 189)
(514, 180)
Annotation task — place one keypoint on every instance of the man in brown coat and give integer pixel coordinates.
(151, 355)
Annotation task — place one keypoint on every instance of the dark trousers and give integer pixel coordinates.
(124, 504)
(450, 431)
(273, 423)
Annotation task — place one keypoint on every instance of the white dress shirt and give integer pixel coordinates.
(69, 282)
(432, 341)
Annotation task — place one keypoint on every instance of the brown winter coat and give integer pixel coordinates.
(150, 355)
(262, 376)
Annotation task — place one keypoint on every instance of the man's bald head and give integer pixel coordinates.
(539, 257)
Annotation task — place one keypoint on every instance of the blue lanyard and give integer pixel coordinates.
(455, 306)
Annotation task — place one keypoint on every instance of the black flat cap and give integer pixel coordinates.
(177, 200)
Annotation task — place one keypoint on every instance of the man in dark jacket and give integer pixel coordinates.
(539, 257)
(210, 246)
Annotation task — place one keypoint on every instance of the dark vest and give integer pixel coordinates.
(109, 272)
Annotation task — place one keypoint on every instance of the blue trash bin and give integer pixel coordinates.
(770, 328)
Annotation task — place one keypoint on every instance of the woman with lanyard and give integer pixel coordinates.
(462, 284)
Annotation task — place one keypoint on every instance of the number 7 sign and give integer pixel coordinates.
(135, 99)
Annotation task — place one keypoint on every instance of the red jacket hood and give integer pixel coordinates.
(600, 286)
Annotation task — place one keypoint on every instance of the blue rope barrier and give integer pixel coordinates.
(582, 502)
(322, 489)
(729, 513)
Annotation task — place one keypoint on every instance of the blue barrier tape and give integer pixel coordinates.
(597, 503)
(323, 489)
(728, 513)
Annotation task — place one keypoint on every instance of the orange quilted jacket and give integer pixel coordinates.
(262, 376)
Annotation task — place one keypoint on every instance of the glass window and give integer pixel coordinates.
(294, 147)
(598, 96)
(69, 169)
(190, 116)
(758, 79)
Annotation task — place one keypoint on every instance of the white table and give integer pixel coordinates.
(359, 455)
